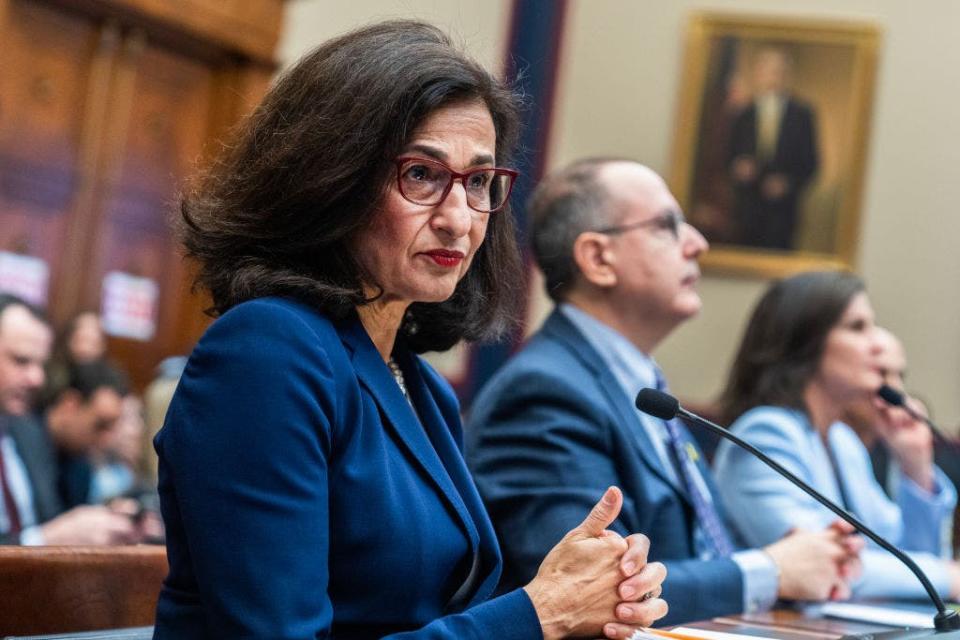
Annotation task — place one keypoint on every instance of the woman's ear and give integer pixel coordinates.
(595, 258)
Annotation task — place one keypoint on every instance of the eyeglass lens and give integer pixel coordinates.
(427, 183)
(672, 223)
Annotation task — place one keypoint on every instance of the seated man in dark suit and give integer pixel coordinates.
(31, 511)
(88, 404)
(557, 423)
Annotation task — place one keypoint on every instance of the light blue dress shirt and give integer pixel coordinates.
(765, 506)
(110, 480)
(635, 370)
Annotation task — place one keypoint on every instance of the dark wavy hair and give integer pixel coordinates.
(278, 211)
(784, 341)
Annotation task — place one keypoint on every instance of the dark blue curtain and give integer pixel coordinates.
(531, 65)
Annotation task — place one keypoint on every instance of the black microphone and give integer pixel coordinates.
(896, 398)
(666, 407)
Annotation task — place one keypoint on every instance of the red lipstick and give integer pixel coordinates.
(444, 258)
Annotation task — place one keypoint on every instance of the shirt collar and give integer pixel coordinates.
(633, 369)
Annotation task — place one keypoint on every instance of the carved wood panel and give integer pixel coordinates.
(164, 103)
(105, 106)
(47, 97)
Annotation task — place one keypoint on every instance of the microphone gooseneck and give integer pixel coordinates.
(666, 407)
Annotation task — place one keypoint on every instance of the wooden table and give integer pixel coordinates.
(788, 625)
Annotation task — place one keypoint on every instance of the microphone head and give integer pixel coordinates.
(657, 404)
(891, 396)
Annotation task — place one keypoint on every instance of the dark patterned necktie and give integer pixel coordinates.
(715, 532)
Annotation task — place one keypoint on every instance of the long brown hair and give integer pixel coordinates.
(784, 341)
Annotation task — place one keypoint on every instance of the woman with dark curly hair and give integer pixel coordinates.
(311, 475)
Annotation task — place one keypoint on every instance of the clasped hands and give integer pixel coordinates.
(595, 581)
(817, 565)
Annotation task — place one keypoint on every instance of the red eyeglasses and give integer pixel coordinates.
(428, 182)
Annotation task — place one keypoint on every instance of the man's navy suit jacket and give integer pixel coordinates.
(548, 434)
(37, 454)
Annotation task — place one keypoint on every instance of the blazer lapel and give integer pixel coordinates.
(400, 418)
(560, 328)
(483, 543)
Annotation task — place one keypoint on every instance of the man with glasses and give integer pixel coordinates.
(557, 424)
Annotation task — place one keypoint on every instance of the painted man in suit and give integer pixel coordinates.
(557, 423)
(772, 157)
(31, 511)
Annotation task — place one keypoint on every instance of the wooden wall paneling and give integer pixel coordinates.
(159, 141)
(112, 139)
(72, 294)
(238, 88)
(53, 81)
(105, 106)
(249, 28)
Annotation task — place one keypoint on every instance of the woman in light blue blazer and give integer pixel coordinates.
(311, 475)
(811, 352)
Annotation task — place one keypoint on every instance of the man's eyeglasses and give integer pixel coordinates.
(671, 221)
(428, 182)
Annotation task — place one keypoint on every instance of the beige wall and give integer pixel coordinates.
(622, 61)
(630, 53)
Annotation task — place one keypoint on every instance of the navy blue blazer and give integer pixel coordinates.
(546, 436)
(304, 499)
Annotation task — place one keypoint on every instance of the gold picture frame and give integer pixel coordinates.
(779, 193)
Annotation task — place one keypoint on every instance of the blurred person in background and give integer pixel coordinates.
(81, 340)
(885, 446)
(871, 417)
(115, 456)
(156, 401)
(31, 510)
(118, 477)
(558, 422)
(81, 413)
(810, 353)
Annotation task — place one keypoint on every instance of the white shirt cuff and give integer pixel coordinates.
(31, 537)
(761, 580)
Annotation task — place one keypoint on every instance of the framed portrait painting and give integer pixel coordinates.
(771, 139)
